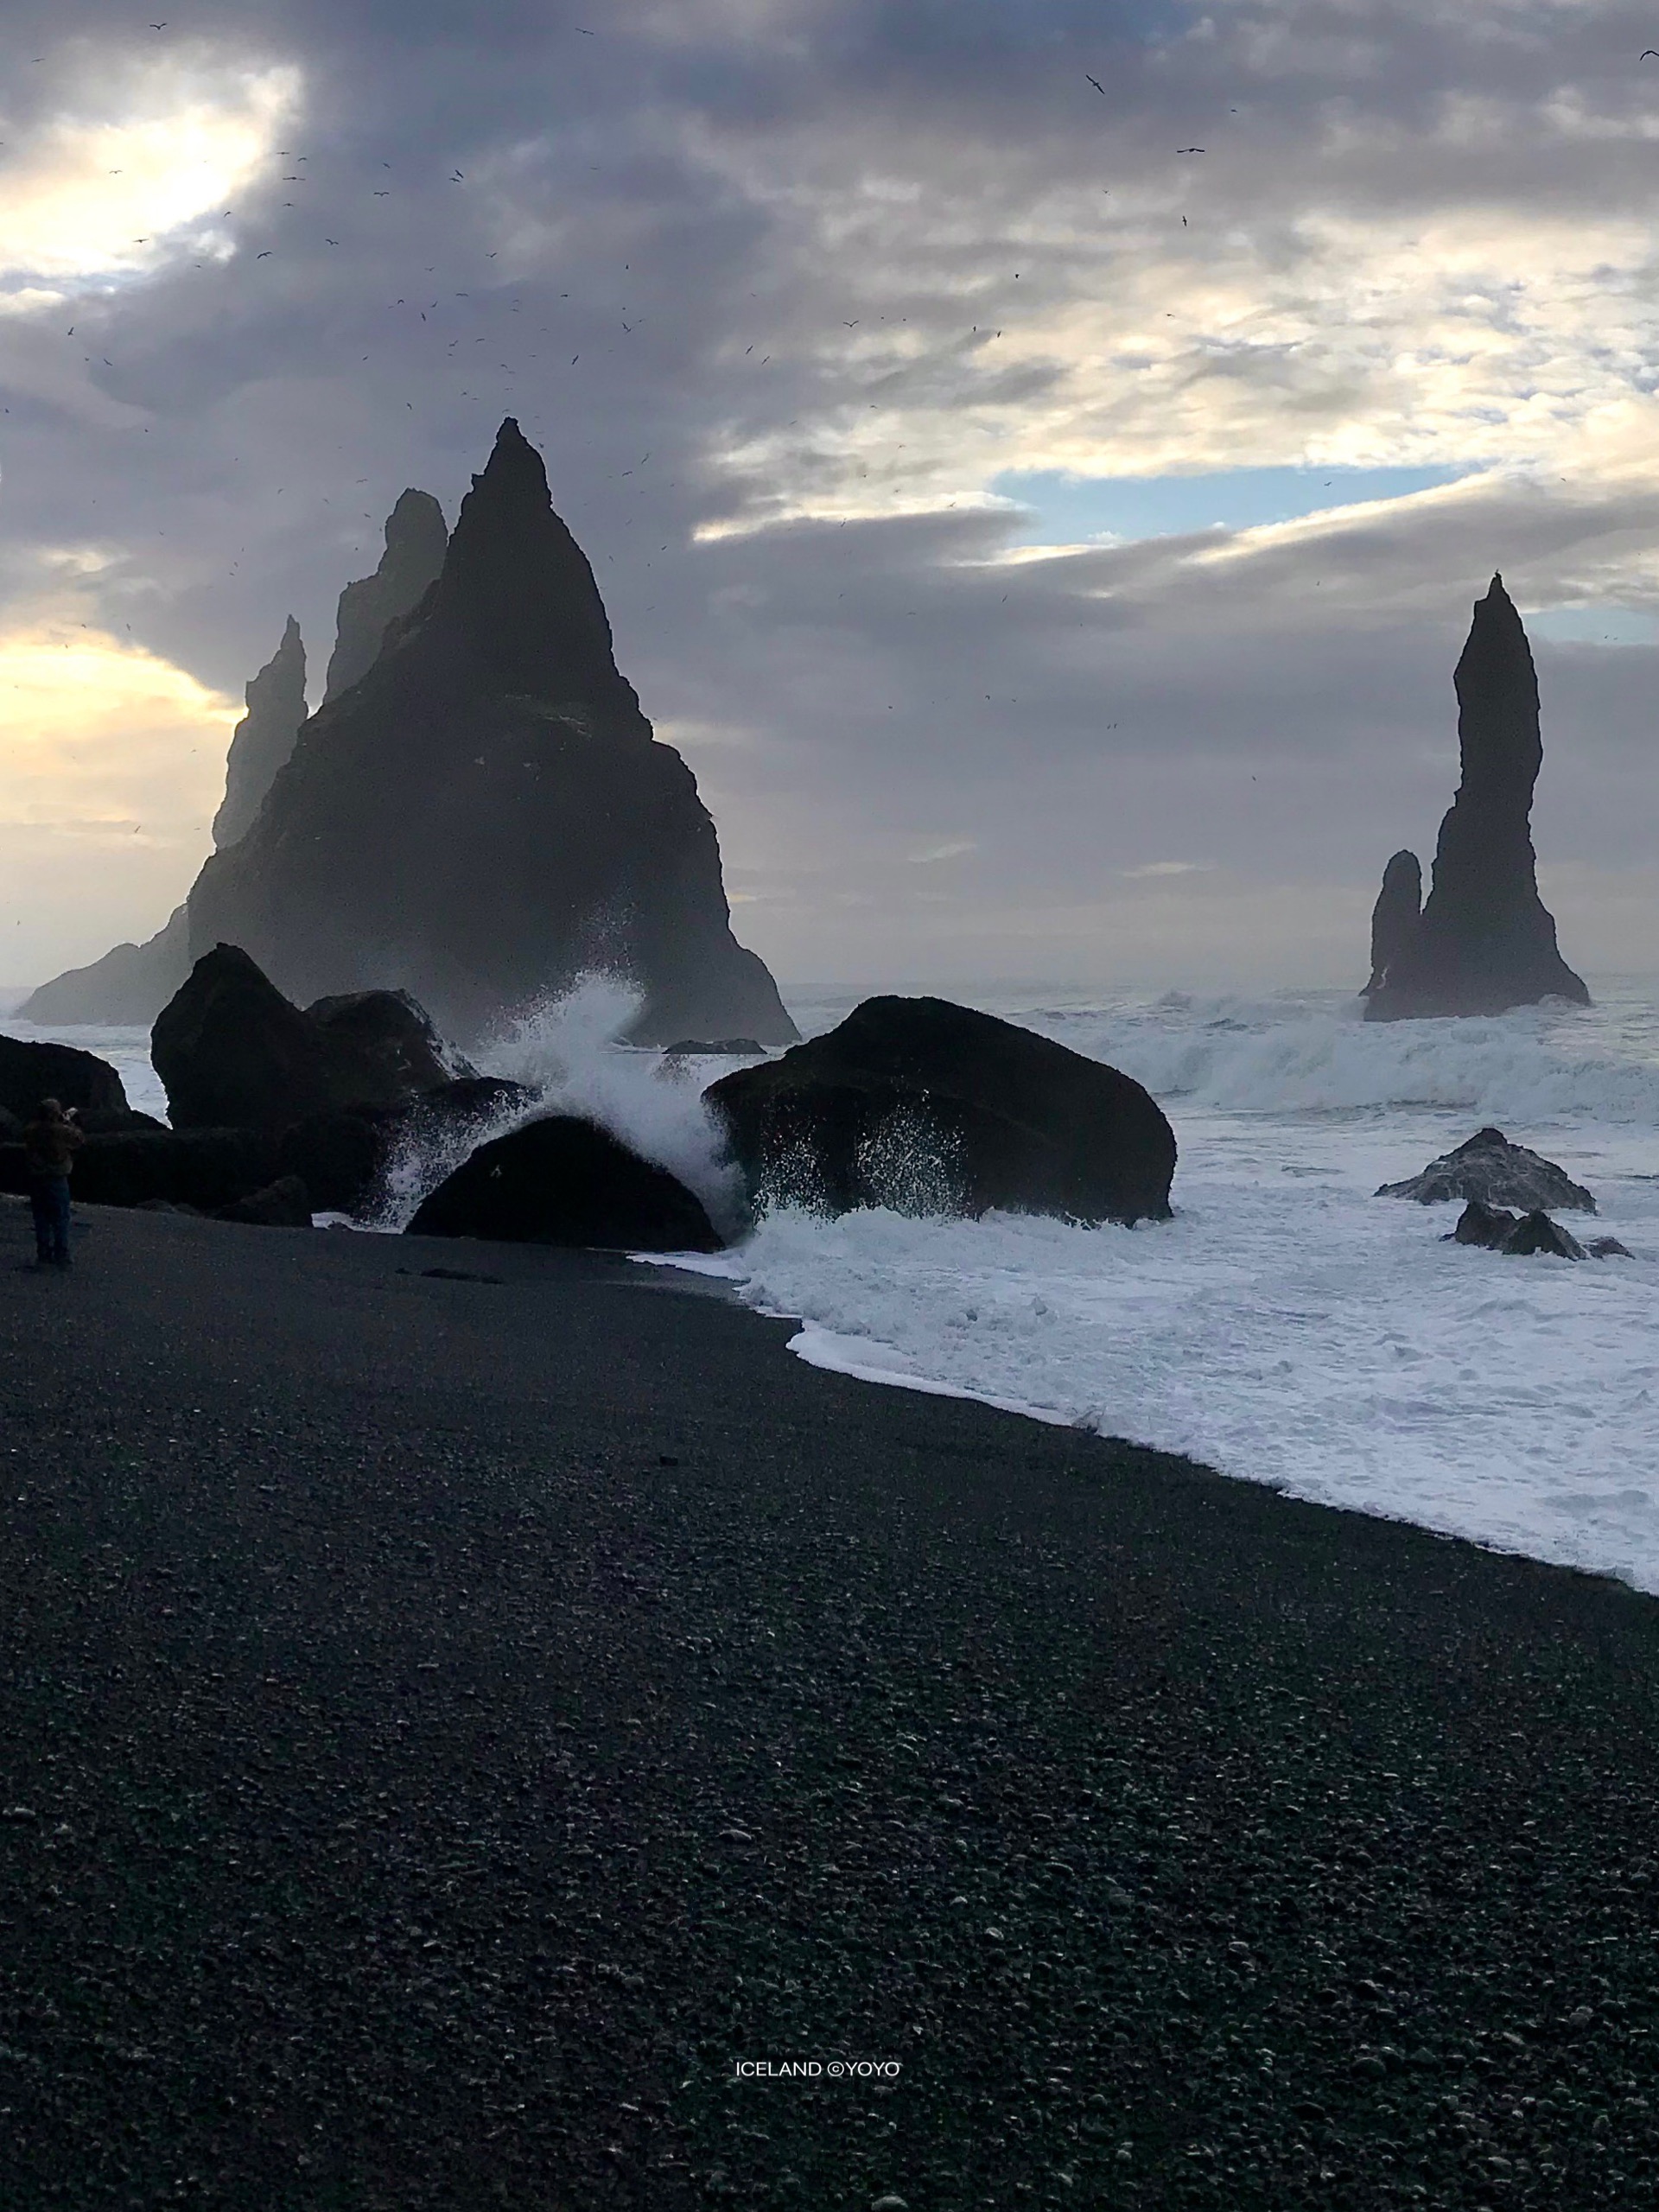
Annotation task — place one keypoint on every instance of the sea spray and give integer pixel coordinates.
(566, 1052)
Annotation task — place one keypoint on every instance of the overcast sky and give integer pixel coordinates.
(1049, 542)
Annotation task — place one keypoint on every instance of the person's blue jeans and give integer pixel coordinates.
(49, 1197)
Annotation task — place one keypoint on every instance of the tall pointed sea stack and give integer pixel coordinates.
(416, 538)
(133, 982)
(264, 737)
(1485, 940)
(485, 813)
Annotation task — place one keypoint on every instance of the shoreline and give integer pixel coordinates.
(459, 1720)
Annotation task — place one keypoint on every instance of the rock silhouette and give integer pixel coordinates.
(1485, 940)
(1395, 917)
(416, 538)
(562, 1179)
(927, 1108)
(29, 1072)
(485, 814)
(263, 740)
(234, 1053)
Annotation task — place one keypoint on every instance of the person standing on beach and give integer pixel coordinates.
(50, 1143)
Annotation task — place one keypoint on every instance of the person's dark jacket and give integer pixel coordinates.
(50, 1147)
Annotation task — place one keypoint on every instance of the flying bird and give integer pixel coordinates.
(265, 255)
(1652, 54)
(1095, 82)
(1190, 149)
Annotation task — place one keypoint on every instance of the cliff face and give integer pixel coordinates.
(416, 538)
(1485, 940)
(485, 812)
(264, 737)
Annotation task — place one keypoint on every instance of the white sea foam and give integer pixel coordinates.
(1286, 1326)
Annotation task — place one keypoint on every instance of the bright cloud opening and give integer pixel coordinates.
(89, 196)
(111, 763)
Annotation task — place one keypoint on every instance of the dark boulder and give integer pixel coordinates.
(1483, 1225)
(263, 739)
(1485, 940)
(232, 1051)
(485, 814)
(563, 1181)
(1488, 1168)
(1537, 1232)
(386, 1032)
(345, 1158)
(285, 1204)
(203, 1168)
(925, 1107)
(415, 537)
(29, 1072)
(1608, 1247)
(1395, 917)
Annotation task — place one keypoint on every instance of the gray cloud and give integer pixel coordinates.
(741, 264)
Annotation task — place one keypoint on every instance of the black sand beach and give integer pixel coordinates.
(447, 1725)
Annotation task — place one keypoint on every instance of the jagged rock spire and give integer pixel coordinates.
(415, 537)
(517, 589)
(1485, 940)
(263, 739)
(484, 816)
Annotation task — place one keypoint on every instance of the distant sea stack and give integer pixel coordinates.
(485, 813)
(263, 740)
(1395, 917)
(1485, 941)
(133, 983)
(416, 538)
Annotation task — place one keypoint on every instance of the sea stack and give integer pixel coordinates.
(263, 740)
(1395, 917)
(416, 538)
(1485, 941)
(485, 814)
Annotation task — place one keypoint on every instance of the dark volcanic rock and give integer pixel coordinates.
(387, 1032)
(130, 983)
(416, 538)
(204, 1169)
(485, 814)
(285, 1204)
(929, 1108)
(232, 1051)
(1484, 1225)
(29, 1072)
(1395, 917)
(1538, 1233)
(1485, 940)
(1608, 1247)
(562, 1181)
(1488, 1168)
(263, 739)
(345, 1158)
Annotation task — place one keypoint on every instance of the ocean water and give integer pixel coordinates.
(1286, 1327)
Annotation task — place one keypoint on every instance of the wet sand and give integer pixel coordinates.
(445, 1726)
